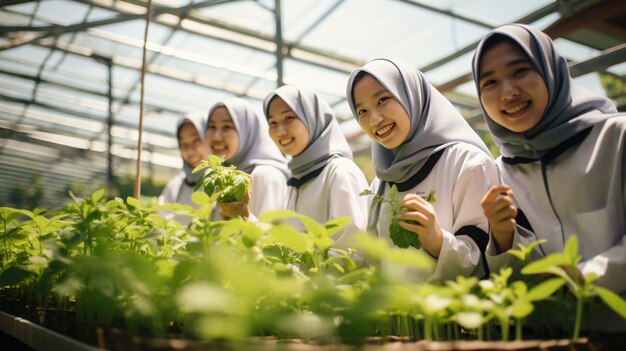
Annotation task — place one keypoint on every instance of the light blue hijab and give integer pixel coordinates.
(435, 123)
(255, 146)
(326, 140)
(570, 109)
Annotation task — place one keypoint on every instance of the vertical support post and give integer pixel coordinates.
(110, 187)
(137, 192)
(279, 44)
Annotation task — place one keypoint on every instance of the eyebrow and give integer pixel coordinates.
(515, 62)
(280, 113)
(229, 119)
(376, 94)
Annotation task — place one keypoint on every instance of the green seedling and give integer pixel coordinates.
(564, 266)
(231, 184)
(399, 236)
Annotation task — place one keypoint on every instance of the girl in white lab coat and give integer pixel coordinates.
(325, 182)
(563, 158)
(193, 150)
(423, 145)
(236, 133)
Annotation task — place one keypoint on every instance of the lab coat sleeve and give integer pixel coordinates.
(460, 252)
(346, 184)
(269, 190)
(499, 260)
(610, 265)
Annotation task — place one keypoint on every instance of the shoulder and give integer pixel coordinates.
(267, 171)
(173, 185)
(469, 152)
(464, 157)
(343, 168)
(341, 164)
(614, 126)
(176, 180)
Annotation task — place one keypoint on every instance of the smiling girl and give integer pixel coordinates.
(563, 156)
(236, 133)
(423, 144)
(193, 150)
(325, 182)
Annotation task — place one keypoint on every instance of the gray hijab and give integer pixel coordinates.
(326, 140)
(255, 146)
(570, 108)
(199, 122)
(435, 123)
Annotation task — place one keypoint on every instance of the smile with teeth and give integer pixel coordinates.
(285, 141)
(385, 129)
(516, 108)
(219, 148)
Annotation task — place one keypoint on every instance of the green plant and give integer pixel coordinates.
(563, 265)
(119, 263)
(230, 183)
(399, 236)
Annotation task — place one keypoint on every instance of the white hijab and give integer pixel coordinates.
(199, 122)
(326, 140)
(255, 146)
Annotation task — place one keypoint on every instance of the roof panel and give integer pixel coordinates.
(243, 13)
(226, 50)
(62, 11)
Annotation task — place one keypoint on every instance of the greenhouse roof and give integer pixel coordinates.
(69, 67)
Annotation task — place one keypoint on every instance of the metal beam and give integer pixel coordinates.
(151, 108)
(604, 60)
(304, 33)
(57, 30)
(448, 13)
(76, 113)
(343, 64)
(5, 3)
(160, 71)
(279, 44)
(591, 15)
(467, 77)
(532, 17)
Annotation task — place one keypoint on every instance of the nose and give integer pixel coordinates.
(509, 91)
(216, 135)
(280, 129)
(375, 117)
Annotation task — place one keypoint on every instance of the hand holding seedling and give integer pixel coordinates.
(500, 211)
(225, 182)
(418, 216)
(400, 236)
(235, 209)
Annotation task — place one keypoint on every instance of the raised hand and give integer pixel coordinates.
(500, 211)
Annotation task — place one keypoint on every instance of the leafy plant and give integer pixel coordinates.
(564, 266)
(121, 264)
(230, 183)
(399, 236)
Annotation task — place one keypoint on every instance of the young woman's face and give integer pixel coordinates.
(286, 130)
(221, 134)
(191, 146)
(512, 91)
(380, 115)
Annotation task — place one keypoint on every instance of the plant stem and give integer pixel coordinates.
(579, 314)
(428, 329)
(518, 329)
(504, 322)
